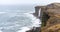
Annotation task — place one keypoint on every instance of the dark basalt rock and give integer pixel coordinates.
(35, 29)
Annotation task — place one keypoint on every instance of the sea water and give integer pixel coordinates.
(17, 20)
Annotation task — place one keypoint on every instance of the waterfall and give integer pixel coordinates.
(39, 12)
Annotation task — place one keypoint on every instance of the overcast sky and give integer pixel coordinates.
(21, 2)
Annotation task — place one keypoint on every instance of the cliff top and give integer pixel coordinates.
(52, 24)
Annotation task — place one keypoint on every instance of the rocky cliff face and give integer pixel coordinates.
(50, 16)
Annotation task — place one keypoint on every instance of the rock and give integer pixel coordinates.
(51, 18)
(36, 11)
(35, 29)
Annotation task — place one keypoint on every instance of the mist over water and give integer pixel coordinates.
(17, 19)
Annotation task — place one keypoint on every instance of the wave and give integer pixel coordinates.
(36, 23)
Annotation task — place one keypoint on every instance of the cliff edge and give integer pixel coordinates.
(50, 17)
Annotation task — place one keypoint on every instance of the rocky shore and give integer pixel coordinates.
(49, 16)
(35, 29)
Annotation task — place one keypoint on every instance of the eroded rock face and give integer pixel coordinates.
(50, 18)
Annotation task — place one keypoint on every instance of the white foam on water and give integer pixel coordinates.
(0, 31)
(35, 23)
(24, 29)
(35, 20)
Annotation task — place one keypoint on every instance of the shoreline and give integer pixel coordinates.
(35, 29)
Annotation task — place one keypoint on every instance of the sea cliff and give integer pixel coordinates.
(52, 13)
(49, 16)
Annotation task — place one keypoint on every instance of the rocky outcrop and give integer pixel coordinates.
(35, 29)
(50, 18)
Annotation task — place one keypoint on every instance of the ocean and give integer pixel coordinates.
(17, 18)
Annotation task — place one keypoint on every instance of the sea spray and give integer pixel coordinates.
(24, 29)
(35, 23)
